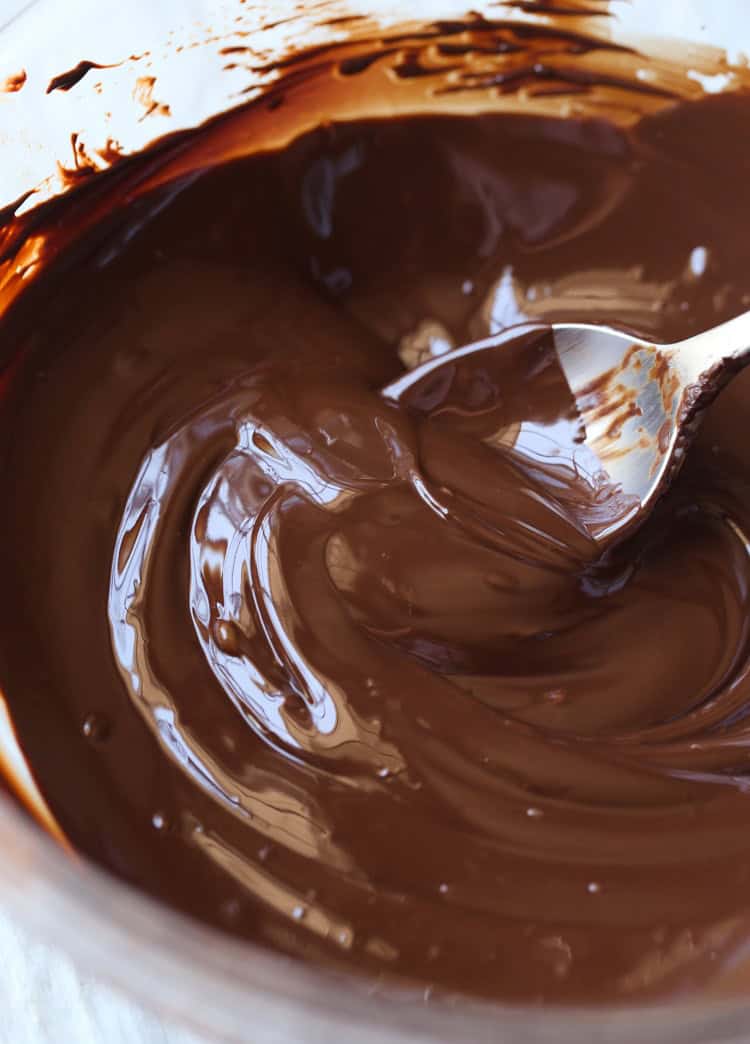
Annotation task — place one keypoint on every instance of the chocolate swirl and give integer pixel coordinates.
(304, 629)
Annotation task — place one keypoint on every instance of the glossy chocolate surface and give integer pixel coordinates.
(341, 671)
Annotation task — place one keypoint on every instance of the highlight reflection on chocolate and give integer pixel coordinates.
(338, 667)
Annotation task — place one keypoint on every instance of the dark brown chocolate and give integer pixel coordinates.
(344, 673)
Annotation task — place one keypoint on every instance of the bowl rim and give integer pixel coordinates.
(219, 985)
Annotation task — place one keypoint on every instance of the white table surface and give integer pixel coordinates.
(44, 999)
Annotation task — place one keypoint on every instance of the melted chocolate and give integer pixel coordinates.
(328, 658)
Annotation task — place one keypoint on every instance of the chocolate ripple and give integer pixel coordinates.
(305, 627)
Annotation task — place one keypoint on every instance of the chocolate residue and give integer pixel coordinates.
(560, 8)
(320, 649)
(144, 95)
(13, 84)
(67, 80)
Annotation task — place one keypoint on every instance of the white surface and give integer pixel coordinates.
(45, 1000)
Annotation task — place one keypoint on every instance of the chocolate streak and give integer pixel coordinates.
(339, 668)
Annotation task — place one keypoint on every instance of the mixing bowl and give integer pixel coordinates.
(168, 61)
